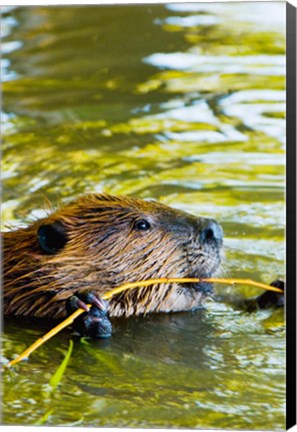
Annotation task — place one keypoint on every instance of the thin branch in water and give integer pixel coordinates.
(131, 285)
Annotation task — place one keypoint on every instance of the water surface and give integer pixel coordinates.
(183, 103)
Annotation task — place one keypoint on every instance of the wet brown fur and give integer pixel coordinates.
(104, 250)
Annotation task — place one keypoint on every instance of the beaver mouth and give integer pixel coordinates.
(202, 287)
(208, 270)
(209, 266)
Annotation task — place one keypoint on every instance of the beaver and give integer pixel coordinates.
(72, 257)
(97, 242)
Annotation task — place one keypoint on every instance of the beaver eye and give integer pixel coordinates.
(142, 225)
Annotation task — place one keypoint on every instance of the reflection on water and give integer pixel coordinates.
(184, 103)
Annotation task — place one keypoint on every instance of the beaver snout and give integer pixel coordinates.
(211, 231)
(204, 250)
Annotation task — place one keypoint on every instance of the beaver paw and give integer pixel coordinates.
(95, 321)
(271, 298)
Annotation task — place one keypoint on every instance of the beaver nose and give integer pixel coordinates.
(211, 231)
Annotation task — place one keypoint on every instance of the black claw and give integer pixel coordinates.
(96, 301)
(95, 321)
(74, 303)
(271, 298)
(82, 299)
(267, 299)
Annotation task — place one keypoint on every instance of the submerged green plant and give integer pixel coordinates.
(43, 419)
(58, 375)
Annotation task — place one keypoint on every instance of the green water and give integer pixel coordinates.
(185, 104)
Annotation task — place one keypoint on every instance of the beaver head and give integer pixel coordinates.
(100, 241)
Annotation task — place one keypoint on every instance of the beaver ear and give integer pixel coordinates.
(51, 237)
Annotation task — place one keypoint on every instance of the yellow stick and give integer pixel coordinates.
(125, 287)
(46, 337)
(189, 280)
